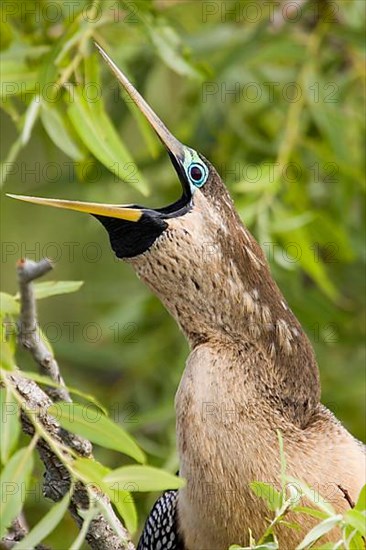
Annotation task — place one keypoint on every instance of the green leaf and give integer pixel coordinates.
(311, 264)
(125, 505)
(15, 75)
(59, 133)
(9, 424)
(147, 132)
(6, 33)
(30, 118)
(168, 47)
(320, 530)
(13, 482)
(92, 75)
(63, 46)
(283, 464)
(47, 524)
(354, 541)
(265, 183)
(90, 469)
(329, 233)
(90, 423)
(267, 491)
(42, 335)
(144, 478)
(87, 519)
(357, 520)
(94, 472)
(97, 132)
(46, 380)
(286, 223)
(361, 501)
(310, 512)
(326, 114)
(54, 288)
(8, 304)
(7, 361)
(290, 524)
(312, 495)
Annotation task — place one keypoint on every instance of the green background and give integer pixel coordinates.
(274, 98)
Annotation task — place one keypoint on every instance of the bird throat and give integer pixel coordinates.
(224, 295)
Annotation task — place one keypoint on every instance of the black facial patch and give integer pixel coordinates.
(129, 239)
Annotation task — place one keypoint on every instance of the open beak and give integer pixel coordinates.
(107, 210)
(175, 149)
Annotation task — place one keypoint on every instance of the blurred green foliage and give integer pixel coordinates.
(273, 97)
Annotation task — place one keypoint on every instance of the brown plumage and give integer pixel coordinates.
(251, 370)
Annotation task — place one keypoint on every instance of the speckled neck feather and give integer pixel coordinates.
(213, 277)
(251, 372)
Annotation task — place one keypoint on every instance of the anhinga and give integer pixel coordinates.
(251, 370)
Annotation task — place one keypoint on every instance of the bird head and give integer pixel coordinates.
(195, 254)
(179, 248)
(206, 267)
(134, 229)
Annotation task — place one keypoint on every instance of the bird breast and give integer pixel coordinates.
(227, 438)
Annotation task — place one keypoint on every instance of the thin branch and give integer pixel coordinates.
(31, 340)
(29, 335)
(17, 532)
(101, 535)
(347, 496)
(55, 442)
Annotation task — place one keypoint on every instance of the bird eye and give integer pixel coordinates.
(197, 174)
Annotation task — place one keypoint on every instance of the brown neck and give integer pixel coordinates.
(224, 292)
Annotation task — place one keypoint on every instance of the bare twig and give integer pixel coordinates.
(17, 532)
(103, 534)
(347, 496)
(28, 325)
(31, 339)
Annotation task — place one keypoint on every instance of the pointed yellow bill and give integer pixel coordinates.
(108, 210)
(171, 143)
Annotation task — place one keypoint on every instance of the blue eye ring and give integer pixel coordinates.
(197, 173)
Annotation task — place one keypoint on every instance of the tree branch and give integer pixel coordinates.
(102, 534)
(29, 336)
(347, 496)
(16, 533)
